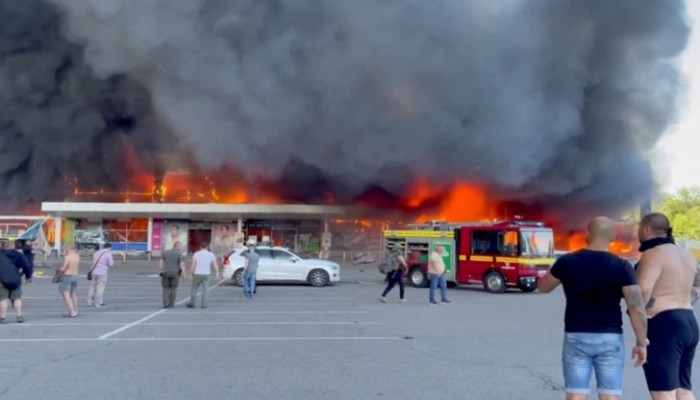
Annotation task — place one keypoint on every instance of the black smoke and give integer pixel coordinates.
(560, 100)
(58, 121)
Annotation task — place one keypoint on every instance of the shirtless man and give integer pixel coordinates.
(69, 281)
(670, 282)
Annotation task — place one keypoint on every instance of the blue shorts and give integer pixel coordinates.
(585, 353)
(68, 283)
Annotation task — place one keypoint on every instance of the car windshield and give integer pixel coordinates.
(537, 243)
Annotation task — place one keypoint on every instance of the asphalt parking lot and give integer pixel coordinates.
(290, 342)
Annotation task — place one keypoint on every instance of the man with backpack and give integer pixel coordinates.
(395, 267)
(10, 288)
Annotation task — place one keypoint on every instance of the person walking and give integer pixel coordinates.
(68, 282)
(395, 268)
(202, 263)
(594, 282)
(171, 268)
(10, 288)
(436, 273)
(670, 280)
(250, 269)
(102, 260)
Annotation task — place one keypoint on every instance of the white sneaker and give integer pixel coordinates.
(382, 299)
(403, 301)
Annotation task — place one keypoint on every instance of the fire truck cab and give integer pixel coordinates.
(499, 255)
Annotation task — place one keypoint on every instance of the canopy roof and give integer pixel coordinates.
(199, 212)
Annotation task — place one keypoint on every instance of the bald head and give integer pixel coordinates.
(601, 229)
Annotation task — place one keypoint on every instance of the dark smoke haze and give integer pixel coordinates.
(549, 99)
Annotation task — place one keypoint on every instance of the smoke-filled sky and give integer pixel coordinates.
(562, 99)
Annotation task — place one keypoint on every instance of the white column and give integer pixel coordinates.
(149, 246)
(325, 241)
(239, 226)
(58, 237)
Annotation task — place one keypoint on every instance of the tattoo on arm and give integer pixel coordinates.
(651, 303)
(635, 307)
(635, 299)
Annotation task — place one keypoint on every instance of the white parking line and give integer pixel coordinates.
(210, 339)
(109, 298)
(200, 312)
(275, 312)
(206, 323)
(146, 318)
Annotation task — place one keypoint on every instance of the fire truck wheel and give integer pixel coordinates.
(417, 277)
(318, 278)
(494, 282)
(238, 277)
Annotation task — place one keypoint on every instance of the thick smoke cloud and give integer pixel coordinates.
(558, 99)
(57, 119)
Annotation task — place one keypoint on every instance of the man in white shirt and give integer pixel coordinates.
(202, 263)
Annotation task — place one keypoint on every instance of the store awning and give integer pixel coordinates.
(201, 212)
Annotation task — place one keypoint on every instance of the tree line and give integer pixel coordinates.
(683, 209)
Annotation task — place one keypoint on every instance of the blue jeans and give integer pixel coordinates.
(248, 284)
(435, 280)
(584, 353)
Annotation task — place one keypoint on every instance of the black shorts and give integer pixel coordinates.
(673, 336)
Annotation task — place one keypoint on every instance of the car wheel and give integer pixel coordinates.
(417, 277)
(494, 282)
(237, 277)
(318, 278)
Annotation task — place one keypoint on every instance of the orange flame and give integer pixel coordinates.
(624, 245)
(463, 202)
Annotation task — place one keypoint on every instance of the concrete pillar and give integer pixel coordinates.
(58, 237)
(325, 241)
(239, 226)
(149, 245)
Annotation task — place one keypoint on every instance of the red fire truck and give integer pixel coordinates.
(499, 255)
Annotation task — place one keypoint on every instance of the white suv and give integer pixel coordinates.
(280, 264)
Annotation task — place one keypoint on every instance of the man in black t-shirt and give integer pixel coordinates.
(594, 282)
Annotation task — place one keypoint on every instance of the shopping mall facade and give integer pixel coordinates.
(151, 228)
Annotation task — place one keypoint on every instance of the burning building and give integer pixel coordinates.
(460, 110)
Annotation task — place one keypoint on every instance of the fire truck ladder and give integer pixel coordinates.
(444, 225)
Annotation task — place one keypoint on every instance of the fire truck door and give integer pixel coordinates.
(448, 257)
